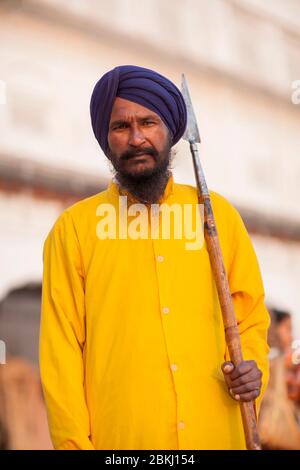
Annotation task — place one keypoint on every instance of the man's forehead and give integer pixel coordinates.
(123, 108)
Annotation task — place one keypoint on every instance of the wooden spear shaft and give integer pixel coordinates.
(230, 324)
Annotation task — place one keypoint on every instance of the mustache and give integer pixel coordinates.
(142, 151)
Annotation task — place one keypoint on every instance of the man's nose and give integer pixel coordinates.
(136, 137)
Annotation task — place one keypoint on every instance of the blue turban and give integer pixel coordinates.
(142, 86)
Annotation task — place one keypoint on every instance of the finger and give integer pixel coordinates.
(252, 376)
(249, 396)
(243, 368)
(249, 387)
(227, 367)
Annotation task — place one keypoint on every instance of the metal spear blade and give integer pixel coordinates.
(192, 132)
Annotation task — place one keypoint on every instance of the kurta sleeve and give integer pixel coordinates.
(62, 338)
(248, 298)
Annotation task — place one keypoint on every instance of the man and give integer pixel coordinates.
(132, 339)
(279, 423)
(280, 334)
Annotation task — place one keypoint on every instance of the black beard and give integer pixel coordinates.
(147, 186)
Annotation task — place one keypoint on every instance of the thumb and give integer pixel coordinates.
(227, 367)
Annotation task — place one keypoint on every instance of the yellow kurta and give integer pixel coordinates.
(132, 337)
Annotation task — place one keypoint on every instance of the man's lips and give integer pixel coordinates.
(139, 154)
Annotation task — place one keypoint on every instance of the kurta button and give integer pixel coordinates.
(174, 367)
(166, 310)
(181, 424)
(160, 258)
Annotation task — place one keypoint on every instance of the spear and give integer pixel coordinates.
(216, 259)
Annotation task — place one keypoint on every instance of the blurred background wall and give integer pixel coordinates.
(241, 59)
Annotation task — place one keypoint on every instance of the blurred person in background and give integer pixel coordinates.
(280, 335)
(132, 343)
(23, 421)
(279, 421)
(293, 377)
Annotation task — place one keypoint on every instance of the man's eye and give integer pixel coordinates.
(122, 125)
(148, 123)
